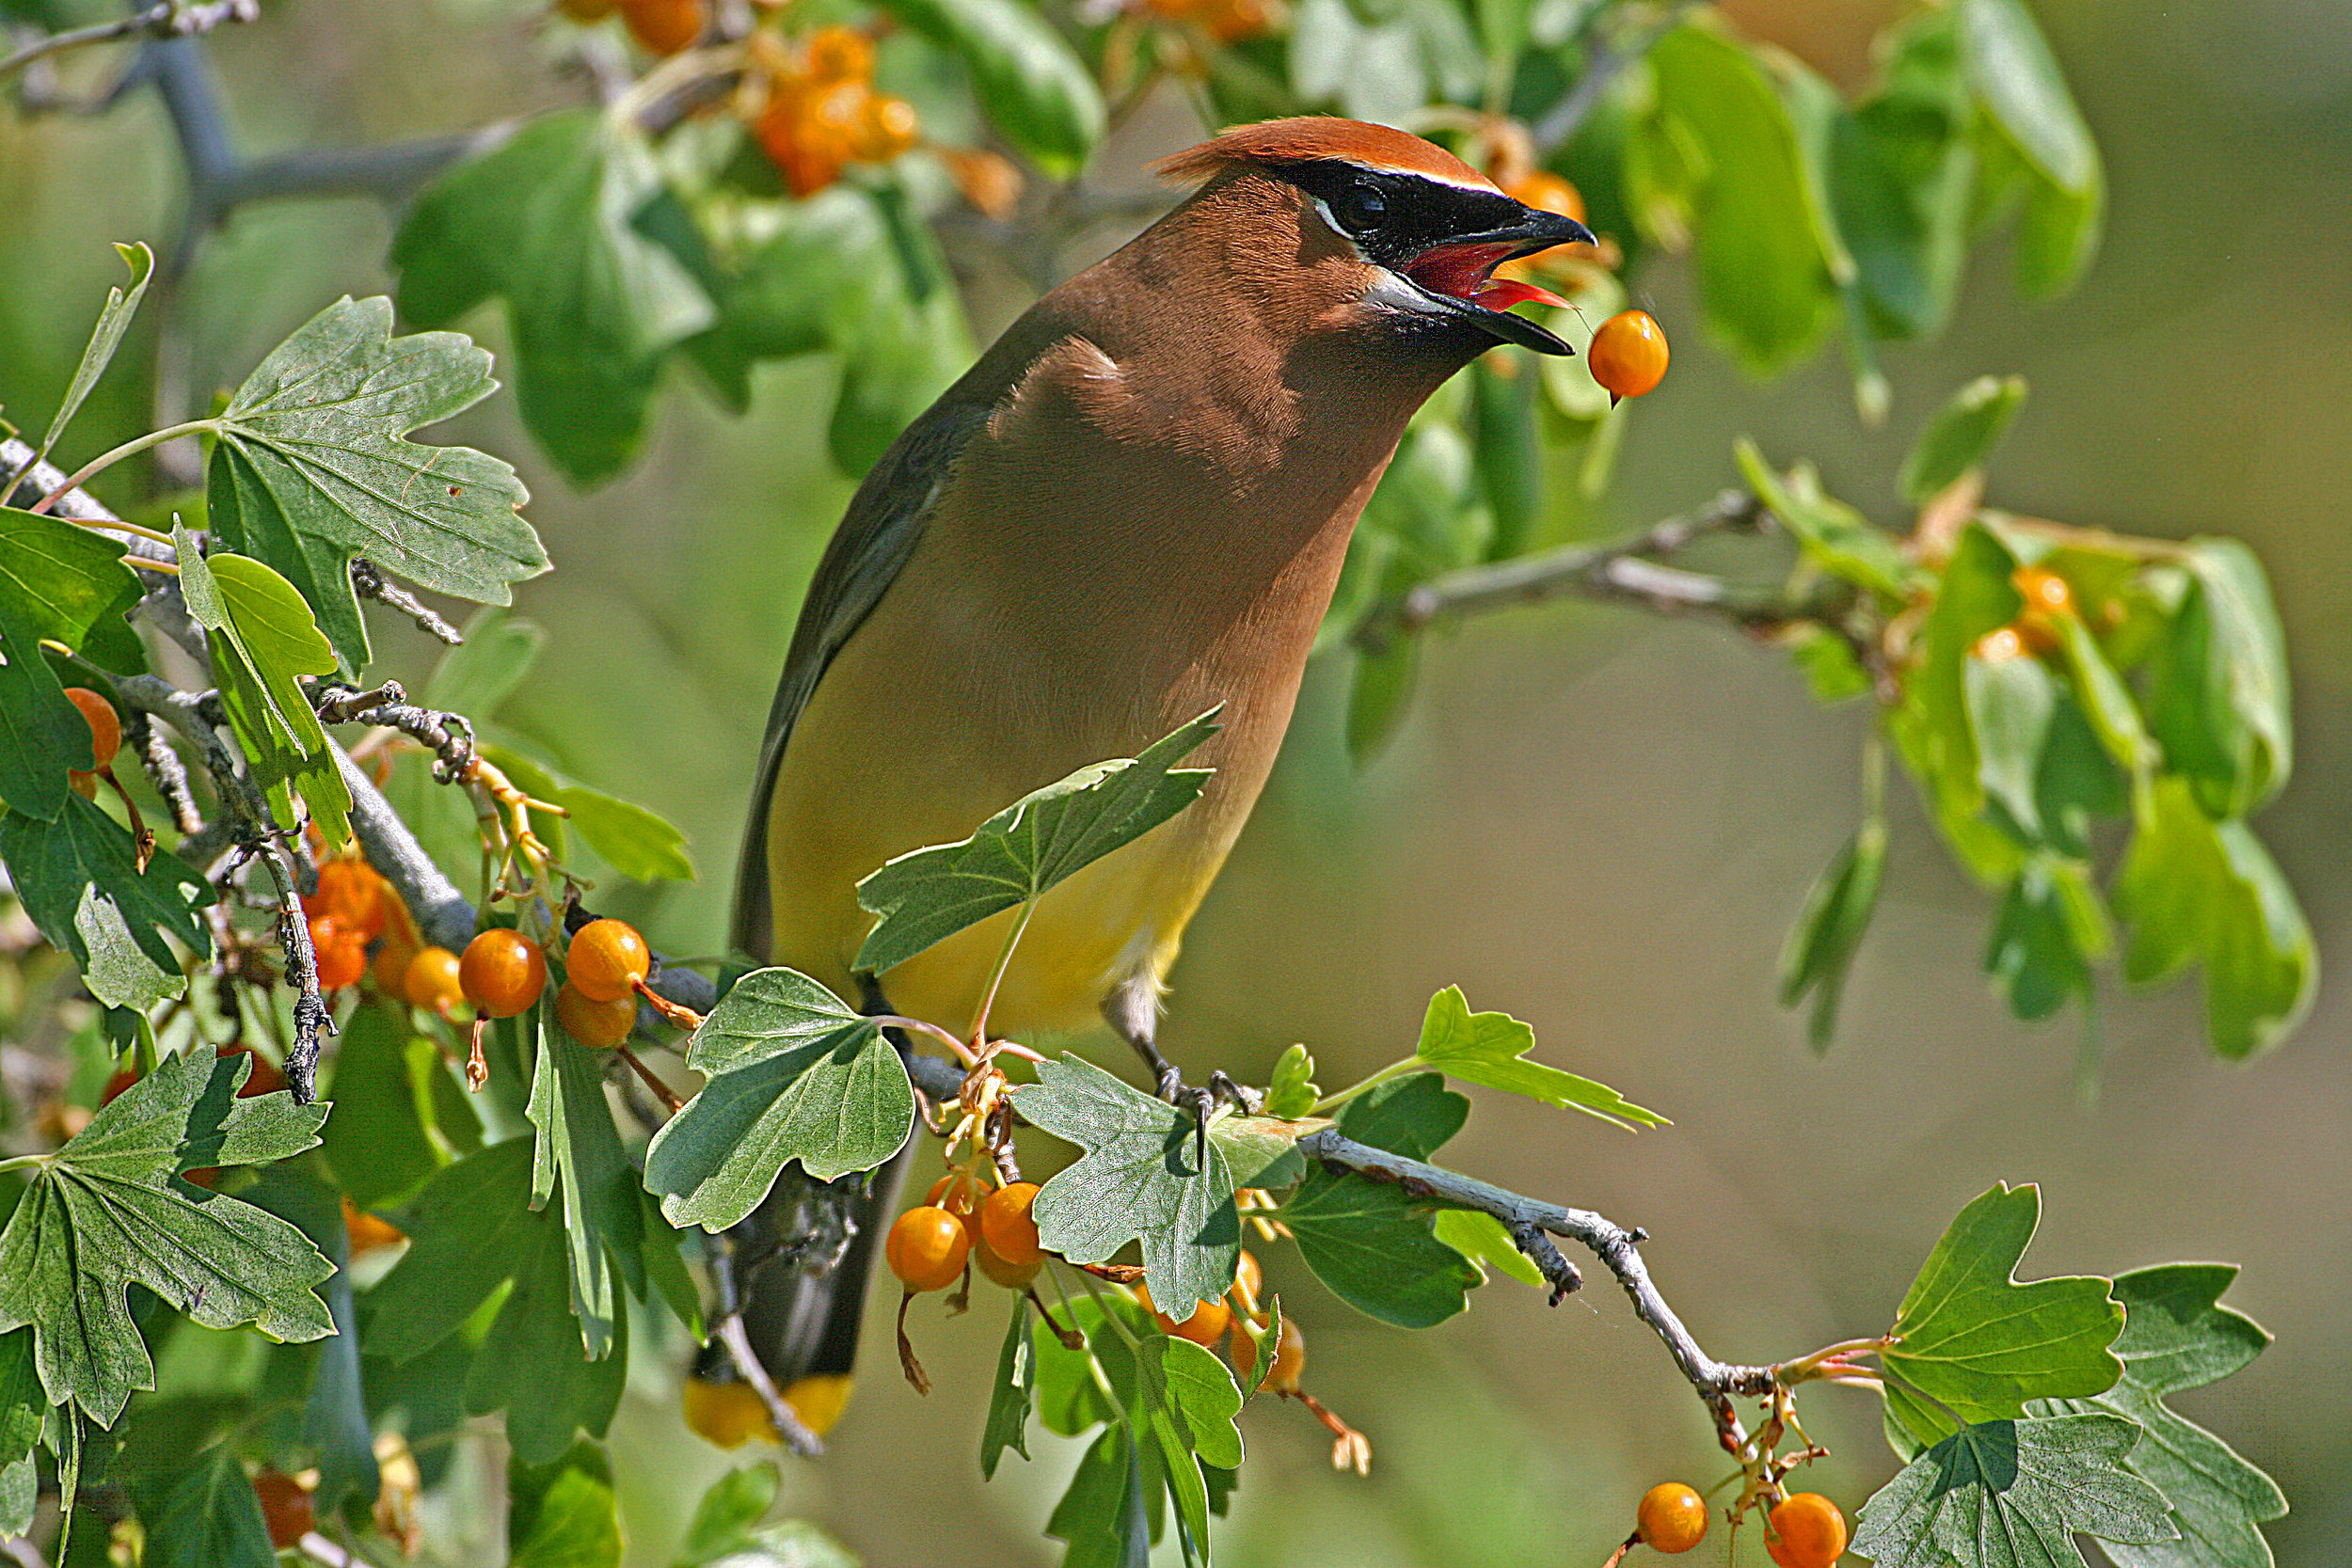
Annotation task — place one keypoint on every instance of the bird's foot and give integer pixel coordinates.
(1202, 1102)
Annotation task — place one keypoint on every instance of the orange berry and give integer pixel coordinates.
(2001, 644)
(597, 1025)
(1012, 1276)
(503, 972)
(1006, 1225)
(1205, 1327)
(390, 968)
(352, 893)
(367, 1231)
(838, 53)
(341, 962)
(2045, 591)
(264, 1078)
(926, 1249)
(326, 929)
(122, 1080)
(431, 981)
(605, 959)
(665, 26)
(1671, 1518)
(1546, 193)
(961, 1193)
(1627, 354)
(1290, 1358)
(1232, 21)
(285, 1508)
(889, 127)
(1175, 10)
(1806, 1531)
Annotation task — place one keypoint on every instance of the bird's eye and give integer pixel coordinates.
(1360, 208)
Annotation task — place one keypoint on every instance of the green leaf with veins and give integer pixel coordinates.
(1482, 1238)
(1262, 1151)
(62, 870)
(2194, 891)
(205, 1516)
(1026, 850)
(2177, 1336)
(1492, 1049)
(796, 1073)
(104, 1213)
(1371, 1242)
(61, 585)
(312, 465)
(1979, 1343)
(261, 637)
(577, 1149)
(2013, 1494)
(471, 1232)
(1033, 87)
(563, 1514)
(1963, 434)
(1015, 1393)
(1144, 1178)
(556, 222)
(1931, 726)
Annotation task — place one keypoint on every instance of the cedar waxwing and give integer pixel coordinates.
(1133, 509)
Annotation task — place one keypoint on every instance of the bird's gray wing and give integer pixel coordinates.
(878, 534)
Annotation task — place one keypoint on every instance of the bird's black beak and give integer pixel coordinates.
(1456, 274)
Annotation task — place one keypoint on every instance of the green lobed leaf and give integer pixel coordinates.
(2217, 697)
(796, 1073)
(1035, 88)
(1833, 536)
(1481, 1237)
(1820, 952)
(261, 638)
(205, 1516)
(1371, 1243)
(557, 222)
(563, 1514)
(1766, 281)
(1976, 596)
(104, 1213)
(2016, 80)
(577, 1150)
(335, 1425)
(1962, 435)
(1026, 850)
(1978, 1342)
(471, 1233)
(2013, 1494)
(1290, 1089)
(2177, 1336)
(723, 1520)
(1148, 1175)
(66, 585)
(2011, 704)
(114, 320)
(1492, 1049)
(1110, 1513)
(1901, 166)
(1260, 1150)
(1016, 1394)
(2194, 891)
(312, 465)
(2051, 926)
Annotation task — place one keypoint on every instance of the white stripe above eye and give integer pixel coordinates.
(1483, 186)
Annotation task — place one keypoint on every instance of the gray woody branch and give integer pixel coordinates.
(1532, 1223)
(166, 18)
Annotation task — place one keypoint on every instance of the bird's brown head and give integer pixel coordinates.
(1375, 232)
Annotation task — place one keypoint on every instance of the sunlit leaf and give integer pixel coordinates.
(2013, 1493)
(565, 1515)
(1963, 435)
(1492, 1049)
(61, 585)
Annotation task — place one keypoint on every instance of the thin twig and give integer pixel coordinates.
(164, 770)
(795, 1431)
(166, 19)
(370, 583)
(1612, 570)
(1528, 1220)
(311, 1016)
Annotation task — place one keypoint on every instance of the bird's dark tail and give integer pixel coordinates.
(796, 1270)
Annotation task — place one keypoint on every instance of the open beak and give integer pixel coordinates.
(1456, 277)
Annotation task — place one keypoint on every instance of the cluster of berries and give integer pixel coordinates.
(2036, 632)
(1804, 1529)
(823, 114)
(1226, 21)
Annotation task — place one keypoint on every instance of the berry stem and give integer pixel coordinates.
(678, 1015)
(661, 1091)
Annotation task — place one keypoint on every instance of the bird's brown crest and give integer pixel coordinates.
(1310, 138)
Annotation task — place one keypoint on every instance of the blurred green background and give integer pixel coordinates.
(1598, 821)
